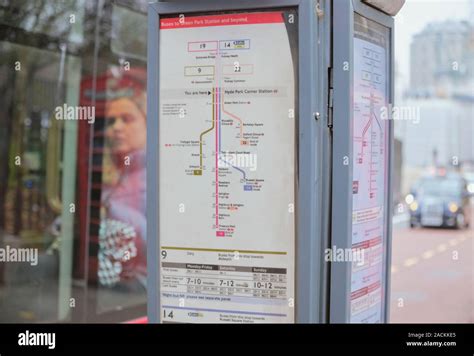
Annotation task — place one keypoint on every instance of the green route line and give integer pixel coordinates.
(207, 131)
(222, 250)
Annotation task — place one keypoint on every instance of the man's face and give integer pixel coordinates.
(125, 126)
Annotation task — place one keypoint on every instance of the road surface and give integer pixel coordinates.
(432, 275)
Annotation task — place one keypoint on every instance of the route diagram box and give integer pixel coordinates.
(227, 166)
(369, 167)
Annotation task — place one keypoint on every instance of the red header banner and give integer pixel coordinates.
(253, 18)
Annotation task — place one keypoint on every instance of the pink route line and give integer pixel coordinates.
(217, 167)
(217, 137)
(371, 155)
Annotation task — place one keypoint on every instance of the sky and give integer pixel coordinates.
(414, 16)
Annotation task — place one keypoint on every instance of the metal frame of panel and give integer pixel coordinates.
(313, 143)
(341, 234)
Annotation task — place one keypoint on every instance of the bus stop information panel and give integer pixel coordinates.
(370, 167)
(227, 166)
